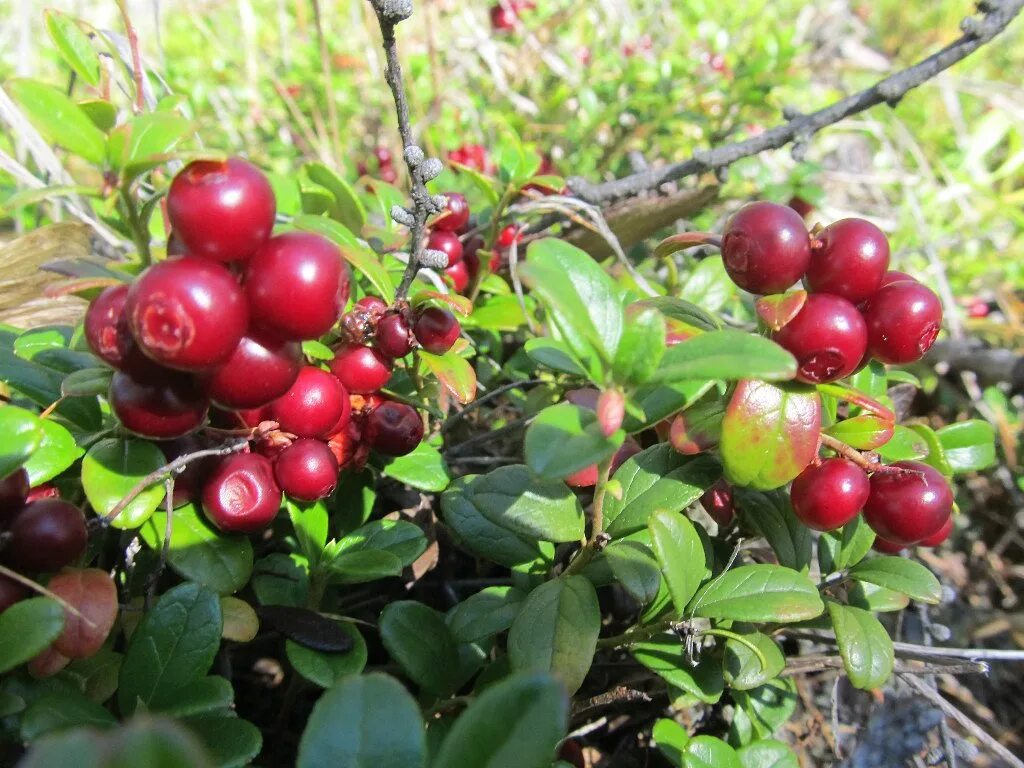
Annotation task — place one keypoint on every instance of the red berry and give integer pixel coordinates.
(361, 369)
(348, 448)
(455, 215)
(765, 248)
(504, 17)
(849, 259)
(260, 369)
(894, 276)
(307, 470)
(241, 495)
(170, 408)
(830, 495)
(314, 405)
(587, 477)
(393, 336)
(187, 313)
(907, 507)
(827, 337)
(886, 547)
(11, 592)
(447, 243)
(978, 309)
(297, 285)
(373, 304)
(393, 429)
(222, 210)
(91, 592)
(14, 491)
(388, 174)
(383, 155)
(939, 536)
(510, 234)
(46, 536)
(436, 330)
(718, 503)
(106, 326)
(903, 320)
(458, 273)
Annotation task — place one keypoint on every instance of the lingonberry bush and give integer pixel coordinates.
(441, 471)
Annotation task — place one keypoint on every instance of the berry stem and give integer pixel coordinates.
(849, 452)
(636, 634)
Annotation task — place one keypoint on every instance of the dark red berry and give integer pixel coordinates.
(907, 507)
(718, 503)
(11, 592)
(886, 547)
(222, 210)
(162, 410)
(297, 285)
(849, 259)
(361, 369)
(388, 174)
(241, 495)
(393, 429)
(587, 477)
(314, 405)
(447, 243)
(436, 330)
(106, 326)
(46, 536)
(375, 305)
(187, 313)
(829, 495)
(455, 215)
(765, 248)
(348, 447)
(827, 337)
(939, 536)
(894, 276)
(978, 309)
(394, 337)
(306, 470)
(510, 234)
(503, 17)
(261, 369)
(903, 319)
(14, 491)
(458, 274)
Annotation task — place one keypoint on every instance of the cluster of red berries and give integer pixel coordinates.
(505, 14)
(473, 156)
(856, 309)
(449, 234)
(385, 166)
(222, 326)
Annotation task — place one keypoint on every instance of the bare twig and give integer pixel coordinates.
(487, 398)
(997, 14)
(133, 43)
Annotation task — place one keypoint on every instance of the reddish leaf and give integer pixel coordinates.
(684, 240)
(779, 309)
(698, 428)
(454, 373)
(858, 398)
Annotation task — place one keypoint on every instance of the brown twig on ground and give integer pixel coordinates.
(997, 14)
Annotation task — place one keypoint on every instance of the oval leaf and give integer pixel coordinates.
(680, 554)
(454, 372)
(112, 468)
(59, 119)
(325, 668)
(903, 575)
(57, 451)
(728, 356)
(20, 434)
(27, 628)
(759, 593)
(566, 438)
(864, 645)
(418, 639)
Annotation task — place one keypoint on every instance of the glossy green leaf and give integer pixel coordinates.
(742, 668)
(838, 550)
(206, 694)
(635, 568)
(418, 639)
(174, 645)
(310, 522)
(59, 119)
(769, 433)
(864, 645)
(865, 432)
(54, 712)
(280, 579)
(401, 538)
(21, 433)
(760, 592)
(326, 669)
(770, 514)
(198, 552)
(969, 446)
(365, 720)
(905, 445)
(727, 355)
(146, 141)
(671, 739)
(871, 597)
(566, 438)
(666, 657)
(680, 555)
(554, 355)
(424, 468)
(902, 574)
(144, 742)
(57, 451)
(230, 741)
(87, 382)
(27, 628)
(101, 112)
(112, 468)
(484, 614)
(347, 208)
(767, 753)
(74, 45)
(362, 259)
(642, 346)
(936, 453)
(556, 630)
(708, 285)
(364, 565)
(709, 752)
(656, 479)
(454, 372)
(516, 723)
(659, 401)
(768, 706)
(684, 311)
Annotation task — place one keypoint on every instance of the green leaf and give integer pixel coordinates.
(726, 355)
(905, 445)
(488, 612)
(671, 739)
(642, 346)
(198, 552)
(680, 554)
(280, 579)
(709, 752)
(32, 342)
(864, 645)
(95, 676)
(838, 550)
(556, 630)
(770, 514)
(87, 382)
(424, 468)
(768, 706)
(53, 712)
(112, 468)
(659, 401)
(230, 741)
(759, 593)
(656, 479)
(516, 723)
(936, 454)
(310, 523)
(708, 285)
(74, 45)
(865, 432)
(554, 355)
(347, 207)
(899, 573)
(401, 538)
(21, 433)
(57, 452)
(174, 645)
(767, 753)
(59, 119)
(666, 657)
(146, 141)
(584, 303)
(417, 637)
(362, 566)
(203, 695)
(513, 498)
(743, 669)
(566, 438)
(633, 565)
(684, 311)
(27, 628)
(101, 112)
(454, 372)
(871, 597)
(769, 433)
(148, 742)
(327, 669)
(969, 445)
(365, 720)
(362, 259)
